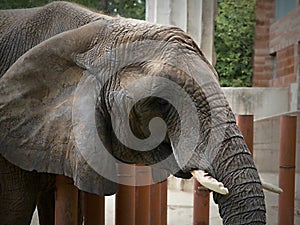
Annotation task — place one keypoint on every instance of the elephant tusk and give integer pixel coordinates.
(216, 186)
(209, 182)
(271, 187)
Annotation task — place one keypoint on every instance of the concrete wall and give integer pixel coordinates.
(264, 103)
(261, 102)
(266, 144)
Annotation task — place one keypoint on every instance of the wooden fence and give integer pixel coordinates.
(147, 205)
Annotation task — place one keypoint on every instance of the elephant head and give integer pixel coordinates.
(126, 91)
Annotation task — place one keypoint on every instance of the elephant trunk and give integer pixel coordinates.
(245, 202)
(223, 154)
(219, 149)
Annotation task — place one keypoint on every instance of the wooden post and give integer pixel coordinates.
(158, 204)
(66, 201)
(164, 202)
(125, 197)
(287, 157)
(201, 204)
(155, 204)
(93, 209)
(245, 123)
(142, 196)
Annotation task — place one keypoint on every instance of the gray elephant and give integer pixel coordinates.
(81, 92)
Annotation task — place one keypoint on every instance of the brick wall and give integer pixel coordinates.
(263, 62)
(278, 38)
(285, 71)
(285, 31)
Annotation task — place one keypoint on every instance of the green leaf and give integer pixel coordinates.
(234, 36)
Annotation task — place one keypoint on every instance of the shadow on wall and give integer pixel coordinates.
(261, 102)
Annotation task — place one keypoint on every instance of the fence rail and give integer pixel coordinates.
(147, 205)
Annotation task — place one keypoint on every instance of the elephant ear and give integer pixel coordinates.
(49, 118)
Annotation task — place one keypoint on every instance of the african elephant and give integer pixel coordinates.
(81, 92)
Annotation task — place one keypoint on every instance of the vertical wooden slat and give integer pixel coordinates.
(125, 197)
(164, 202)
(201, 204)
(245, 123)
(142, 196)
(287, 157)
(66, 201)
(155, 204)
(93, 209)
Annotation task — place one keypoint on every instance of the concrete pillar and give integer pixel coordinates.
(207, 32)
(196, 17)
(194, 24)
(179, 13)
(167, 12)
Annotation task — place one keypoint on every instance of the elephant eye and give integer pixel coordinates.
(163, 105)
(162, 102)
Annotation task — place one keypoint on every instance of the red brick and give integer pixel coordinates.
(280, 72)
(290, 50)
(258, 74)
(289, 70)
(262, 29)
(260, 83)
(287, 80)
(281, 36)
(262, 37)
(263, 44)
(261, 23)
(278, 82)
(262, 51)
(268, 67)
(259, 69)
(289, 61)
(258, 61)
(264, 77)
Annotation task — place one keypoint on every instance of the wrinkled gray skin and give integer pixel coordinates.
(36, 95)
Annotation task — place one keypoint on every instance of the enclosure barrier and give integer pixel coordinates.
(93, 207)
(147, 205)
(287, 157)
(66, 201)
(200, 204)
(245, 124)
(125, 197)
(142, 196)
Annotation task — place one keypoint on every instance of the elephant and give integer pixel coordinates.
(82, 92)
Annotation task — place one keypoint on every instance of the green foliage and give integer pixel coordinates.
(127, 8)
(14, 4)
(234, 36)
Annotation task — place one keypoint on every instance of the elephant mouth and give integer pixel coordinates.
(205, 179)
(184, 175)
